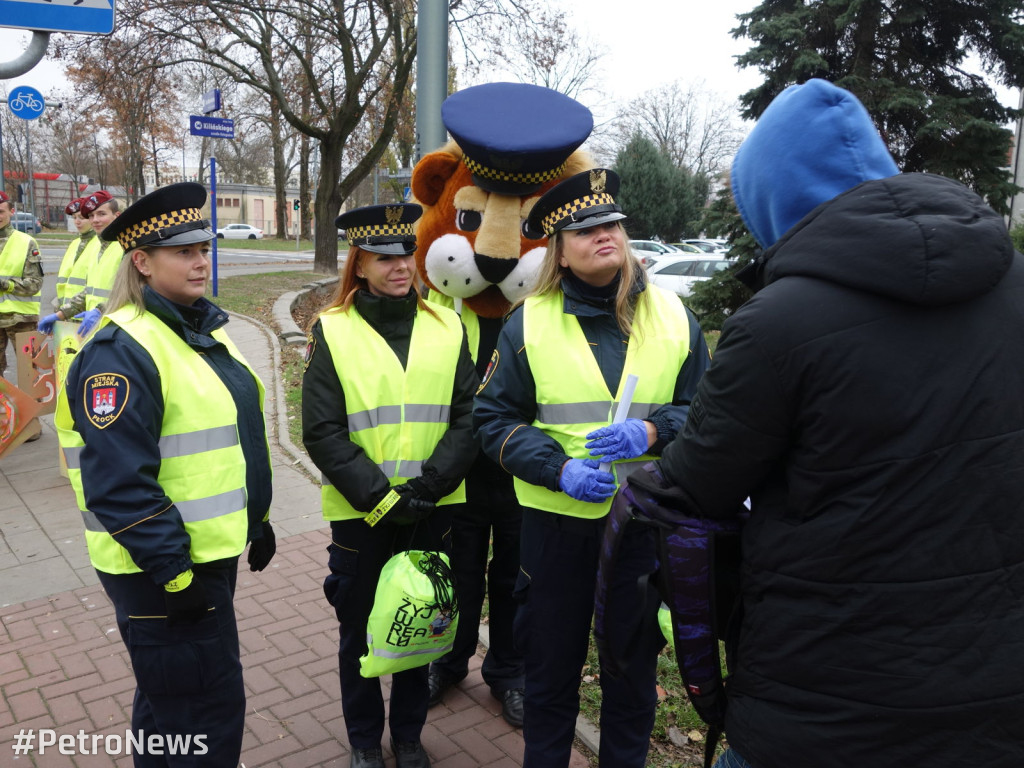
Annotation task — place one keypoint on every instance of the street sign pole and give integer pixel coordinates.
(213, 217)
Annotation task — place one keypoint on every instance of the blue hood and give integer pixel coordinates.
(813, 142)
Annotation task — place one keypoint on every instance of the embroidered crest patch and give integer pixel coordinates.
(106, 395)
(495, 357)
(310, 349)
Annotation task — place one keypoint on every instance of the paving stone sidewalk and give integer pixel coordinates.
(63, 665)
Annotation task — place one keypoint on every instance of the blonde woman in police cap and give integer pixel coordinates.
(543, 413)
(374, 352)
(161, 423)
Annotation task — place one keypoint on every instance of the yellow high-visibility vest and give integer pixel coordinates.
(202, 466)
(572, 397)
(101, 275)
(397, 416)
(469, 319)
(12, 262)
(74, 270)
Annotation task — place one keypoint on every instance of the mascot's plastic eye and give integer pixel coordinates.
(468, 221)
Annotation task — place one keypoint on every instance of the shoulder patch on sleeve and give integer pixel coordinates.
(105, 396)
(310, 349)
(491, 366)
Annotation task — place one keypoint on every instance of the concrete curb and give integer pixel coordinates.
(586, 732)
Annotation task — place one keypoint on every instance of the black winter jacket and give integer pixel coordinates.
(325, 423)
(870, 402)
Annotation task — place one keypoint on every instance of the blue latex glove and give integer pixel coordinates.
(89, 319)
(46, 324)
(582, 480)
(625, 440)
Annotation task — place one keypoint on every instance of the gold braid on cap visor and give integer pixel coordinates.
(134, 233)
(533, 177)
(379, 230)
(566, 211)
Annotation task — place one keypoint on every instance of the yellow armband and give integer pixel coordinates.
(179, 582)
(382, 508)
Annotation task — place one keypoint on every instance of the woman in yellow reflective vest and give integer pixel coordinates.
(161, 424)
(387, 399)
(544, 412)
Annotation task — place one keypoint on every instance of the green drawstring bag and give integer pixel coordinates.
(665, 622)
(414, 614)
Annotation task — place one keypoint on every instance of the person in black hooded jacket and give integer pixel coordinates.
(868, 401)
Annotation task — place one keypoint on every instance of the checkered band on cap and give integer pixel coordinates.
(533, 177)
(136, 232)
(566, 211)
(380, 230)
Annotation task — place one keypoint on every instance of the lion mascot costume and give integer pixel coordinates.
(511, 142)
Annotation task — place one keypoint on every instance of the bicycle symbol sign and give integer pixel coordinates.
(26, 102)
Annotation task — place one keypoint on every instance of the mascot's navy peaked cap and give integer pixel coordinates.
(171, 215)
(515, 136)
(383, 229)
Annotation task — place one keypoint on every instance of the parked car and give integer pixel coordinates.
(649, 251)
(679, 273)
(26, 222)
(708, 245)
(240, 232)
(688, 248)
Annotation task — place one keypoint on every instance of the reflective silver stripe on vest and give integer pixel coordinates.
(73, 281)
(392, 414)
(191, 511)
(73, 457)
(92, 523)
(588, 413)
(212, 506)
(94, 291)
(389, 468)
(188, 443)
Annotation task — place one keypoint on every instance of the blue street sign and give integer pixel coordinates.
(26, 102)
(214, 127)
(87, 17)
(211, 101)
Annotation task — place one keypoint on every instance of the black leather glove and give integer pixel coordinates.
(262, 550)
(409, 509)
(188, 605)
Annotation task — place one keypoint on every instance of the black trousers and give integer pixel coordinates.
(357, 555)
(188, 678)
(490, 518)
(556, 590)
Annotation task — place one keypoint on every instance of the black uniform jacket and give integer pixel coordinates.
(325, 420)
(870, 401)
(506, 405)
(120, 462)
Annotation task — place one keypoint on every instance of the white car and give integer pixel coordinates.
(650, 251)
(240, 232)
(679, 273)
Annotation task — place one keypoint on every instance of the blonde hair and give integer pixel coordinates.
(128, 285)
(549, 279)
(350, 283)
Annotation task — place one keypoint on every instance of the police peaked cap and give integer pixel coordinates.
(584, 200)
(515, 136)
(383, 229)
(171, 215)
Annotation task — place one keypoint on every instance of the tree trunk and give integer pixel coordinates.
(328, 203)
(281, 202)
(303, 212)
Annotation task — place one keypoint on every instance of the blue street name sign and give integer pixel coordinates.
(87, 17)
(214, 127)
(211, 101)
(26, 102)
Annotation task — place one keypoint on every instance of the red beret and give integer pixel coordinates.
(3, 197)
(91, 202)
(73, 207)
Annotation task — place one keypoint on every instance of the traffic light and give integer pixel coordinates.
(295, 204)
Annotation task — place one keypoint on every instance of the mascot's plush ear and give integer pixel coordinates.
(431, 174)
